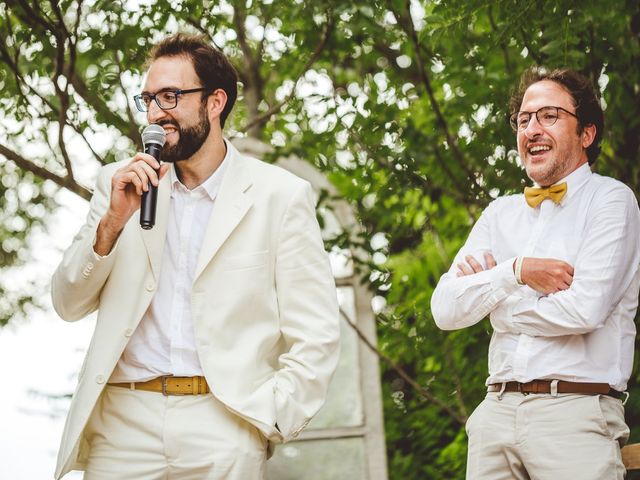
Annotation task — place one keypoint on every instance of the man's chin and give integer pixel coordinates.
(171, 157)
(537, 172)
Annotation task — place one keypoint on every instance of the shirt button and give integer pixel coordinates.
(128, 332)
(99, 379)
(150, 286)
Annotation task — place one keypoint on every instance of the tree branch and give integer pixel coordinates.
(457, 381)
(409, 27)
(261, 119)
(423, 392)
(101, 108)
(239, 18)
(539, 59)
(251, 72)
(66, 182)
(13, 66)
(203, 30)
(503, 47)
(21, 81)
(63, 96)
(130, 116)
(76, 128)
(32, 17)
(433, 191)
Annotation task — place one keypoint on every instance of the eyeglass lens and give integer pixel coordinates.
(164, 100)
(546, 117)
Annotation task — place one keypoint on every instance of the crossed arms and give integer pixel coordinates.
(568, 299)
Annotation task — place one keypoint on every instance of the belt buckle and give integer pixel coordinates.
(174, 393)
(164, 385)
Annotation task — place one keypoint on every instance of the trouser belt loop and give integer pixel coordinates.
(501, 392)
(553, 388)
(626, 397)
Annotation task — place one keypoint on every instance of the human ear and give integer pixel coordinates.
(216, 103)
(588, 135)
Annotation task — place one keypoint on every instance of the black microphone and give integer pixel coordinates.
(153, 138)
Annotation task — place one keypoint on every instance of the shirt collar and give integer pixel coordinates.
(211, 185)
(575, 180)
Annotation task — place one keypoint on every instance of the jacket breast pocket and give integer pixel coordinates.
(246, 261)
(249, 275)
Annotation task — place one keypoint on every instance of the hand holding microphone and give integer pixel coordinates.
(130, 182)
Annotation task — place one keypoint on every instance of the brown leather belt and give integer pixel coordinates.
(169, 385)
(544, 386)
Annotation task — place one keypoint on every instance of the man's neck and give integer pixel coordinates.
(196, 169)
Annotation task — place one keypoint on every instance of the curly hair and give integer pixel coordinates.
(584, 96)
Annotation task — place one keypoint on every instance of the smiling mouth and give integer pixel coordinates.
(538, 149)
(170, 132)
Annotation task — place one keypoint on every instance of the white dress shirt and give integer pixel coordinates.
(164, 342)
(582, 334)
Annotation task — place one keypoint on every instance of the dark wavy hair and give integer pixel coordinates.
(584, 96)
(211, 65)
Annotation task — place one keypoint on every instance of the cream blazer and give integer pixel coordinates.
(264, 302)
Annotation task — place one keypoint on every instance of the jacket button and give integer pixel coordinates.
(128, 332)
(150, 287)
(99, 379)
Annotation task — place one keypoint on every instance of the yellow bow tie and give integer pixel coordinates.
(535, 196)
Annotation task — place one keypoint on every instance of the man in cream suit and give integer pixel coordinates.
(217, 330)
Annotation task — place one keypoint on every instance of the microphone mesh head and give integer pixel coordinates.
(153, 134)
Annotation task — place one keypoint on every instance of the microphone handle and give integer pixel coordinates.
(150, 197)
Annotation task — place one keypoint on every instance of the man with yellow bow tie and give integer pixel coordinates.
(558, 271)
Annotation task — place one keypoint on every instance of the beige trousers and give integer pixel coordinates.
(138, 435)
(542, 437)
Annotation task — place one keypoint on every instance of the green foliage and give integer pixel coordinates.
(402, 104)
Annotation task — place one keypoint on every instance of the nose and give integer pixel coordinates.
(155, 113)
(533, 128)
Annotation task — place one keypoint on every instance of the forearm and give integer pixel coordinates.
(107, 234)
(460, 302)
(576, 311)
(605, 268)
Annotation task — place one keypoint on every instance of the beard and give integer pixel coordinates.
(189, 141)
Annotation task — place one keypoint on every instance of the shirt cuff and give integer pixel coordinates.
(503, 279)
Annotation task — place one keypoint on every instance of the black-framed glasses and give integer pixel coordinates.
(546, 117)
(166, 99)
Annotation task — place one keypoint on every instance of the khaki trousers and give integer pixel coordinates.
(138, 435)
(542, 437)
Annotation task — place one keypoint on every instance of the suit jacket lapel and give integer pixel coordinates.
(231, 205)
(154, 239)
